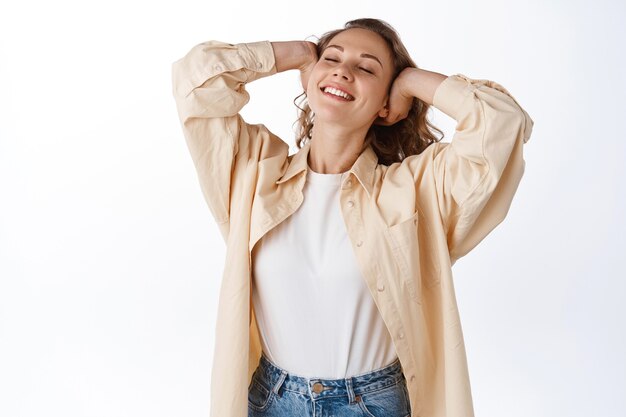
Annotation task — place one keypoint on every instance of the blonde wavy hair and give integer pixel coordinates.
(409, 136)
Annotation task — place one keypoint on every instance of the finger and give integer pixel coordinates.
(387, 121)
(393, 117)
(382, 122)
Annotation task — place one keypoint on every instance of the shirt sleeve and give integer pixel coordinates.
(209, 90)
(477, 174)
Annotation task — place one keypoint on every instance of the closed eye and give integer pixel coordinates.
(361, 68)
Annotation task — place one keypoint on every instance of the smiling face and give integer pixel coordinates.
(350, 82)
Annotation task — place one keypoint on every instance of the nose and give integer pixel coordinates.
(343, 72)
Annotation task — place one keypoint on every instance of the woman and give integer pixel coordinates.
(337, 296)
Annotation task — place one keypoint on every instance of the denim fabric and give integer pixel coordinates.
(273, 392)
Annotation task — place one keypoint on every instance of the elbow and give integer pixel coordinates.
(503, 131)
(180, 83)
(513, 122)
(504, 151)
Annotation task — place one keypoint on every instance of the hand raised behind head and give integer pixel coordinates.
(300, 55)
(308, 64)
(400, 100)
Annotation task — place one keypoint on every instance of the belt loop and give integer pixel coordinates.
(351, 397)
(279, 383)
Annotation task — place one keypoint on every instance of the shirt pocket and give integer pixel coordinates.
(403, 241)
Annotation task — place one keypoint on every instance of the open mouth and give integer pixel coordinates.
(336, 93)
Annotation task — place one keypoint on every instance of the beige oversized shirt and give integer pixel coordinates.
(408, 222)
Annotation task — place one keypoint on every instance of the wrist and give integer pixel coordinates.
(421, 83)
(290, 55)
(309, 54)
(408, 81)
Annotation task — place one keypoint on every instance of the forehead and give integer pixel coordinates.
(362, 41)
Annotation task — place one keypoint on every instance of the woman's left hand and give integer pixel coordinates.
(400, 100)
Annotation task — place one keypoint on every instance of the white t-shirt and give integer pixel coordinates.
(315, 314)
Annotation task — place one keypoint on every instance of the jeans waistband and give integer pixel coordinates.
(276, 378)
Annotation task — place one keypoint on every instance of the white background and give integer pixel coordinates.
(110, 263)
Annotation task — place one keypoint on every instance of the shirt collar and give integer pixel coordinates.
(363, 168)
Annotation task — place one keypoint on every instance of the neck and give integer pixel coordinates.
(334, 149)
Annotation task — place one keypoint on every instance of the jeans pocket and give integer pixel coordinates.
(387, 402)
(259, 396)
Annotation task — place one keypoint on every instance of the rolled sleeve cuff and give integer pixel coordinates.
(452, 94)
(258, 56)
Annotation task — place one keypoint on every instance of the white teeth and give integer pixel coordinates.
(336, 92)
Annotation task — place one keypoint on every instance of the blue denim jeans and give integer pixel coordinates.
(273, 392)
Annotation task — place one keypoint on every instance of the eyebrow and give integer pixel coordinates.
(362, 55)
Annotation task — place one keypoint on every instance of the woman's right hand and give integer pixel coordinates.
(300, 55)
(307, 67)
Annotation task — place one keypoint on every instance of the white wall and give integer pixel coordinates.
(110, 263)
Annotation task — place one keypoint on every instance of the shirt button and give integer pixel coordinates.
(259, 65)
(217, 67)
(401, 335)
(381, 286)
(412, 378)
(350, 204)
(349, 183)
(359, 243)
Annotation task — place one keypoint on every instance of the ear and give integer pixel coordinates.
(384, 111)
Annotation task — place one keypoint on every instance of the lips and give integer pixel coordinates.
(337, 92)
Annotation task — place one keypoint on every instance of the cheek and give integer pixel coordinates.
(379, 92)
(311, 84)
(312, 80)
(312, 95)
(313, 91)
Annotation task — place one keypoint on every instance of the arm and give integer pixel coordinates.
(475, 177)
(298, 55)
(209, 90)
(478, 173)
